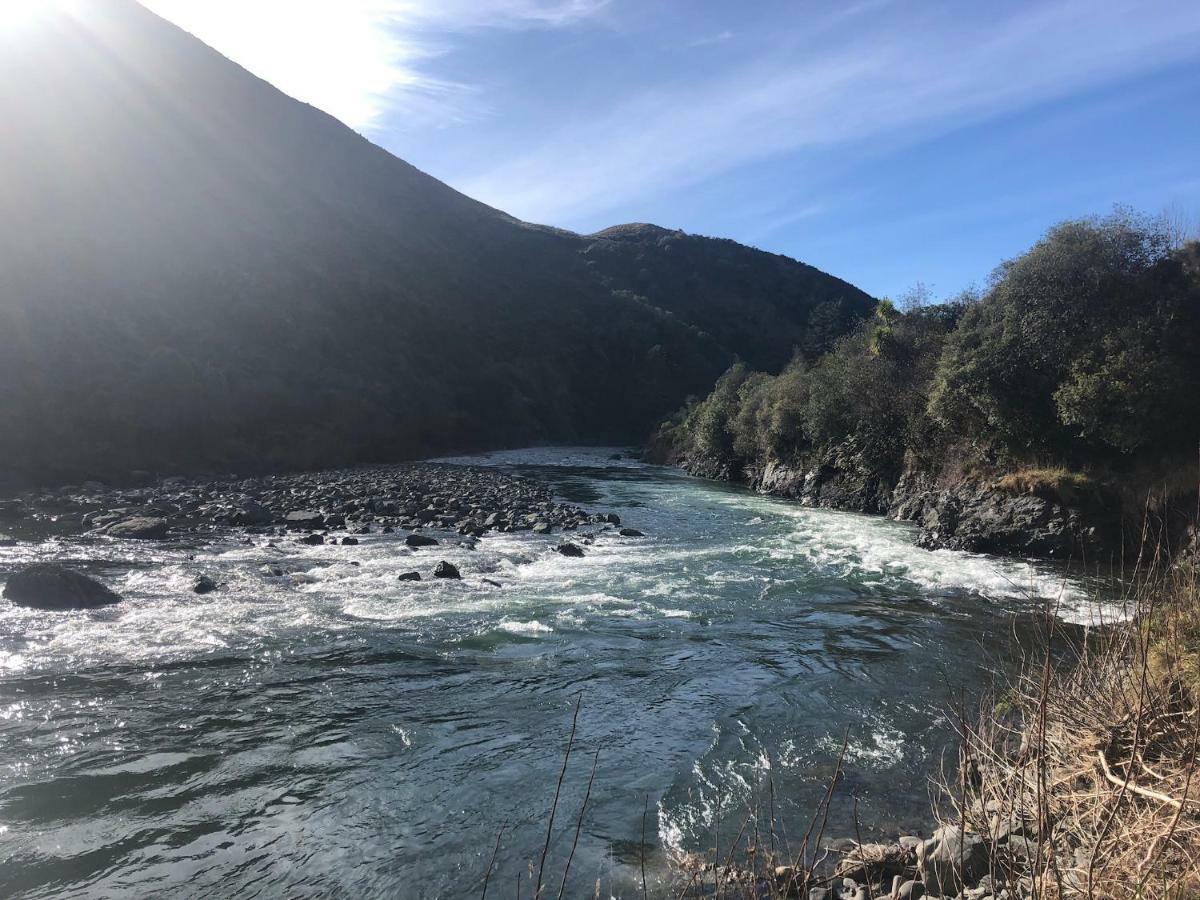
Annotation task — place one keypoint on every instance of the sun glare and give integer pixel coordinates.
(16, 14)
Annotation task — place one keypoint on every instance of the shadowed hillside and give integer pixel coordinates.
(198, 271)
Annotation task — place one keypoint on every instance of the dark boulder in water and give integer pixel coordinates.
(204, 585)
(420, 540)
(48, 586)
(446, 570)
(630, 532)
(313, 540)
(409, 576)
(145, 528)
(568, 549)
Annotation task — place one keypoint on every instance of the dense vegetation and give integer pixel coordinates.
(1084, 352)
(199, 273)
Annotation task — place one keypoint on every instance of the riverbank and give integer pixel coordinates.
(1026, 513)
(332, 504)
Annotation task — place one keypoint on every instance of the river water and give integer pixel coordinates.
(336, 733)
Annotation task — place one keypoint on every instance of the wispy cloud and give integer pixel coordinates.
(356, 59)
(905, 77)
(707, 41)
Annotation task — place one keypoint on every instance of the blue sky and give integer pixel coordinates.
(887, 142)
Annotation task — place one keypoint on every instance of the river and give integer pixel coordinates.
(334, 732)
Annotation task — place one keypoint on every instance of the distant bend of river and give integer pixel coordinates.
(337, 733)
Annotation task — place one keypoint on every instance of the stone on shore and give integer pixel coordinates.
(48, 586)
(951, 859)
(143, 528)
(304, 518)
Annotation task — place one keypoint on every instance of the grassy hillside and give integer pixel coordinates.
(200, 272)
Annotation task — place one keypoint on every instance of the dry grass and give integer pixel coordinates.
(1054, 482)
(1084, 781)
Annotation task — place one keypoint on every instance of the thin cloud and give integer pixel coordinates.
(901, 80)
(711, 39)
(357, 59)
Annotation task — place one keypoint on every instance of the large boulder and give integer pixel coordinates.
(146, 528)
(446, 570)
(566, 548)
(47, 586)
(252, 513)
(951, 860)
(420, 540)
(304, 518)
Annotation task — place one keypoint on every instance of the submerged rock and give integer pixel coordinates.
(630, 532)
(48, 586)
(446, 570)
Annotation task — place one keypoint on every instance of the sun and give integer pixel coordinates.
(19, 15)
(15, 14)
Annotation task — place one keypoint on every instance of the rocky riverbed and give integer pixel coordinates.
(952, 863)
(344, 502)
(335, 506)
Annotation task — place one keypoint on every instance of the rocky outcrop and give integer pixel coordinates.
(976, 515)
(972, 514)
(832, 484)
(56, 588)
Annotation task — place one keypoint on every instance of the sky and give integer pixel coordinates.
(890, 143)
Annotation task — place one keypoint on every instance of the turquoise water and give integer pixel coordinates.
(334, 732)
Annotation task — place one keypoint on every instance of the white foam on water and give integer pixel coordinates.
(532, 627)
(880, 552)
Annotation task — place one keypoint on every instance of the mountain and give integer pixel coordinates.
(198, 271)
